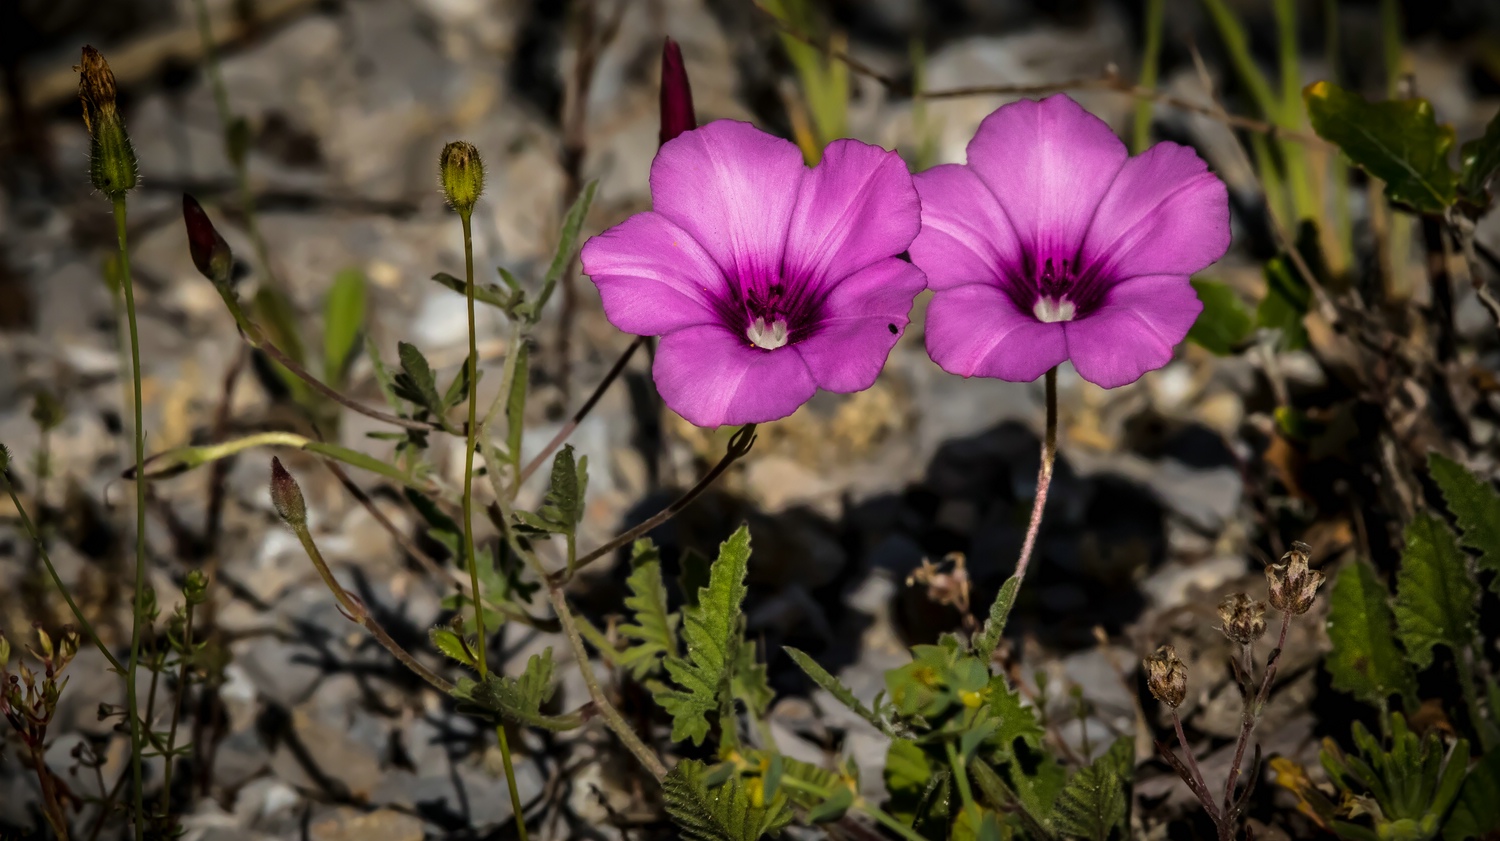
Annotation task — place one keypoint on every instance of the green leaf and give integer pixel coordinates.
(1225, 323)
(570, 481)
(722, 813)
(1399, 142)
(1479, 160)
(454, 646)
(994, 627)
(1094, 803)
(566, 242)
(1476, 507)
(458, 387)
(519, 699)
(833, 808)
(343, 322)
(1018, 722)
(484, 293)
(1436, 597)
(655, 628)
(908, 774)
(748, 682)
(831, 684)
(1477, 812)
(710, 630)
(976, 823)
(1286, 302)
(415, 382)
(382, 376)
(1365, 661)
(515, 405)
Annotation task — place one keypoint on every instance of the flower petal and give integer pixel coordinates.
(1164, 214)
(652, 276)
(733, 187)
(1135, 330)
(1049, 163)
(977, 331)
(864, 316)
(856, 206)
(712, 377)
(966, 236)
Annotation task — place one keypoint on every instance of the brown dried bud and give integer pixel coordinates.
(1292, 585)
(210, 252)
(287, 497)
(1166, 676)
(1244, 619)
(461, 172)
(676, 94)
(112, 165)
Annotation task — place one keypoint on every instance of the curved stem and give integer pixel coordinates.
(127, 285)
(1200, 787)
(1043, 478)
(578, 416)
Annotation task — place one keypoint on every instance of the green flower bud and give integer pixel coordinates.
(195, 588)
(112, 165)
(462, 174)
(287, 497)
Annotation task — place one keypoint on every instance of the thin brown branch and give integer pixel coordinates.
(583, 411)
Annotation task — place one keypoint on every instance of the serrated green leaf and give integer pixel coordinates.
(1399, 142)
(1285, 304)
(655, 628)
(343, 322)
(831, 684)
(1018, 722)
(519, 699)
(710, 631)
(1479, 161)
(454, 646)
(569, 484)
(1436, 597)
(1094, 803)
(1476, 507)
(415, 382)
(458, 387)
(721, 813)
(994, 627)
(1225, 322)
(1365, 661)
(1477, 812)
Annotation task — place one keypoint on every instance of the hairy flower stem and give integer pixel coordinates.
(1199, 787)
(1043, 477)
(612, 717)
(960, 774)
(127, 286)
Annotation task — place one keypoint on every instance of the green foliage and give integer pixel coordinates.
(822, 678)
(1406, 790)
(939, 679)
(994, 627)
(1285, 304)
(454, 646)
(567, 242)
(519, 699)
(654, 628)
(1476, 814)
(719, 813)
(710, 631)
(1476, 507)
(748, 681)
(1399, 142)
(1017, 722)
(343, 322)
(916, 783)
(484, 293)
(1436, 597)
(1479, 161)
(562, 509)
(415, 382)
(1225, 323)
(1094, 804)
(1365, 660)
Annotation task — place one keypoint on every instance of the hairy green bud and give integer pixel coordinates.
(461, 172)
(195, 588)
(112, 165)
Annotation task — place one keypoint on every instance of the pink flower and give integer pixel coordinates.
(1052, 243)
(765, 280)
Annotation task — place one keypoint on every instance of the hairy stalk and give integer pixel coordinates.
(182, 670)
(611, 715)
(1196, 782)
(960, 774)
(356, 612)
(127, 286)
(1249, 717)
(583, 411)
(1043, 477)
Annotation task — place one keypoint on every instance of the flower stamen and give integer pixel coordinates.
(767, 337)
(1051, 310)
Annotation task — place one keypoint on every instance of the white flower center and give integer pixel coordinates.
(767, 337)
(1050, 310)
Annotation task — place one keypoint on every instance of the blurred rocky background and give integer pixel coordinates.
(1169, 494)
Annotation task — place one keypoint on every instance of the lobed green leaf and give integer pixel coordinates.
(718, 813)
(1365, 661)
(1476, 506)
(1436, 596)
(1094, 804)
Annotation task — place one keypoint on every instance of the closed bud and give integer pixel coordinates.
(1166, 676)
(1243, 619)
(195, 588)
(211, 254)
(1292, 585)
(112, 165)
(462, 173)
(676, 94)
(287, 497)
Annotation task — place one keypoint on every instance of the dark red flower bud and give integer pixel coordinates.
(210, 252)
(287, 497)
(676, 95)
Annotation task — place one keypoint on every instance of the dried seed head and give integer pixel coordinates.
(1292, 585)
(1244, 620)
(112, 165)
(210, 252)
(1166, 676)
(287, 497)
(676, 94)
(462, 174)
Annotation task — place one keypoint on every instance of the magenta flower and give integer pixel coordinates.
(765, 280)
(1052, 243)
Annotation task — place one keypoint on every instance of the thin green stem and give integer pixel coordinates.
(127, 286)
(960, 774)
(510, 781)
(473, 362)
(1150, 65)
